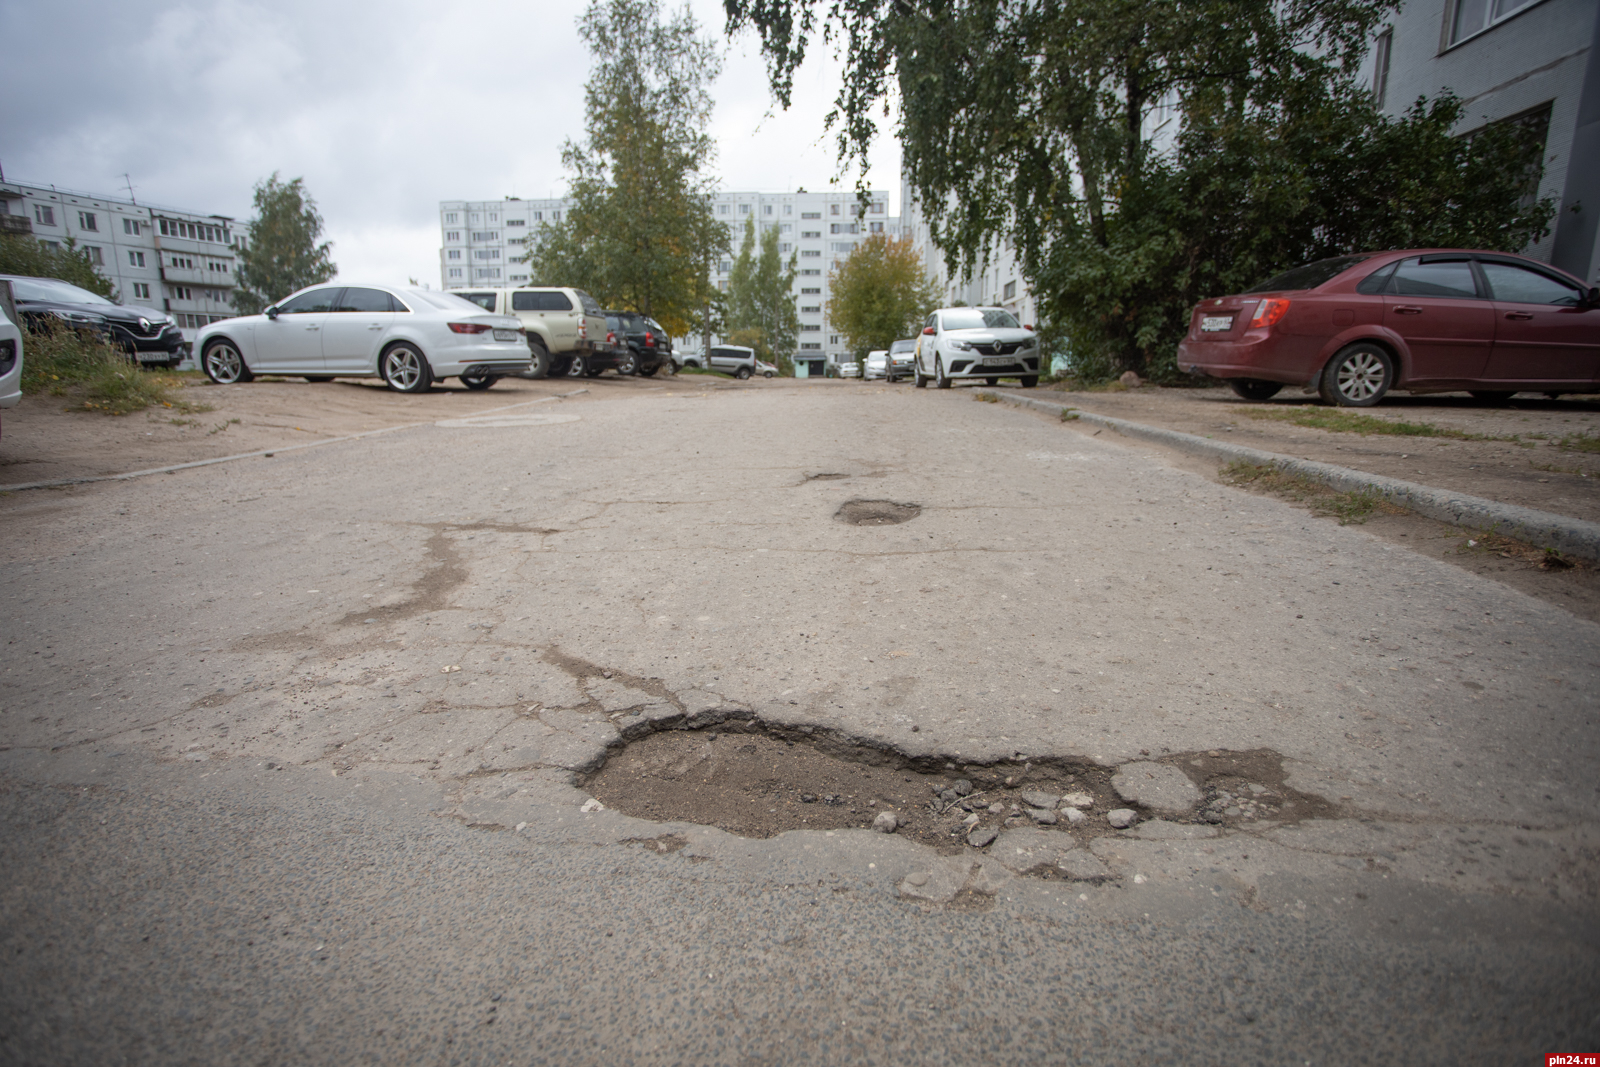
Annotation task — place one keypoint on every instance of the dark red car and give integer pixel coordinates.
(1426, 320)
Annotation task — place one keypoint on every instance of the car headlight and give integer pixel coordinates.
(77, 318)
(1031, 342)
(961, 346)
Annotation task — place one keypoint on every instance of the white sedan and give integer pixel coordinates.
(408, 337)
(985, 343)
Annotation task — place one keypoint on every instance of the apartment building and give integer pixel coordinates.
(180, 262)
(483, 241)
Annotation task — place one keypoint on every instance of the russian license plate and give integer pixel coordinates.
(505, 335)
(1216, 324)
(997, 361)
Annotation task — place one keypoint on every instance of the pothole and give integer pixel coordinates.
(757, 780)
(876, 512)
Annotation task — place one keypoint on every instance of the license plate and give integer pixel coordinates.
(505, 335)
(1216, 324)
(997, 361)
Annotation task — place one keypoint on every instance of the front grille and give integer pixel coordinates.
(998, 348)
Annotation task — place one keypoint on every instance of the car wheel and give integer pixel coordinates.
(1357, 376)
(629, 364)
(1029, 381)
(479, 382)
(743, 373)
(918, 379)
(649, 372)
(939, 379)
(223, 364)
(405, 369)
(1254, 388)
(1498, 396)
(541, 360)
(578, 368)
(768, 374)
(319, 377)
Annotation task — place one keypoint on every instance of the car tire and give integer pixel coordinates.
(768, 374)
(318, 378)
(578, 368)
(1357, 376)
(405, 369)
(940, 381)
(1495, 396)
(918, 379)
(1254, 388)
(541, 360)
(628, 365)
(649, 372)
(742, 373)
(223, 364)
(1029, 381)
(478, 383)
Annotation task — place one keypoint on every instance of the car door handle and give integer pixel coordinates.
(375, 326)
(1406, 309)
(1519, 314)
(313, 327)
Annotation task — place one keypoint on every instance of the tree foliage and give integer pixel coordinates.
(1039, 123)
(33, 258)
(640, 234)
(281, 253)
(879, 294)
(759, 308)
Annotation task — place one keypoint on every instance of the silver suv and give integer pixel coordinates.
(564, 325)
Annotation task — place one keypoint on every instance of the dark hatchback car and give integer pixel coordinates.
(1425, 320)
(144, 333)
(646, 349)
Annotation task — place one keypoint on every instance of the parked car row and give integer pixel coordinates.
(145, 334)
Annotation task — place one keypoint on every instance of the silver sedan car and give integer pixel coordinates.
(408, 337)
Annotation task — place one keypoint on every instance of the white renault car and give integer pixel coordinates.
(985, 343)
(408, 337)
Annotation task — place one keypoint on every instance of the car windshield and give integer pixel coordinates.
(50, 289)
(1309, 276)
(978, 319)
(444, 301)
(902, 346)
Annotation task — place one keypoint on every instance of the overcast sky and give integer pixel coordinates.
(384, 110)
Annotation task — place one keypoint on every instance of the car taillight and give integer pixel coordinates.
(470, 327)
(649, 339)
(1268, 312)
(583, 328)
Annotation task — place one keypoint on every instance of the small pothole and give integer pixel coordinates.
(876, 512)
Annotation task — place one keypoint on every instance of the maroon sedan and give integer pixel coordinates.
(1423, 320)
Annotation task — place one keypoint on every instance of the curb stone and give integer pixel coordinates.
(1569, 536)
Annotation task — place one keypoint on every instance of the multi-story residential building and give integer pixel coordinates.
(1532, 62)
(482, 242)
(180, 262)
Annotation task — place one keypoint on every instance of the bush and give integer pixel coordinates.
(95, 374)
(35, 259)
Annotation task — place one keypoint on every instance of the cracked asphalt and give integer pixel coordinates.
(294, 750)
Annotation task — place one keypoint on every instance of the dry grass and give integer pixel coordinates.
(1348, 507)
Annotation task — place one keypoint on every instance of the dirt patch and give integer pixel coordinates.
(758, 783)
(876, 512)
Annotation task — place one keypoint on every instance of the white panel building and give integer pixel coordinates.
(179, 262)
(482, 241)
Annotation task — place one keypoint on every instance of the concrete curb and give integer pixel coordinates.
(1570, 537)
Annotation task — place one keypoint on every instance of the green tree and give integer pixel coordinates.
(1034, 122)
(281, 252)
(33, 258)
(760, 309)
(640, 234)
(879, 294)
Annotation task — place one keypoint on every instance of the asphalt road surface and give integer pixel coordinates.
(295, 746)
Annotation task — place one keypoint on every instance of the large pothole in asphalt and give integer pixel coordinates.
(876, 512)
(757, 782)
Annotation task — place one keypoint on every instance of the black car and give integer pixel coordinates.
(648, 347)
(145, 334)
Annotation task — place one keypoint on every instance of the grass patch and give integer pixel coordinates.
(703, 370)
(95, 375)
(1553, 469)
(1493, 544)
(1339, 420)
(219, 427)
(1068, 415)
(987, 398)
(1579, 442)
(1355, 506)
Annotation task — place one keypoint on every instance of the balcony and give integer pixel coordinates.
(20, 225)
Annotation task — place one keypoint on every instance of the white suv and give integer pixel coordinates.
(985, 343)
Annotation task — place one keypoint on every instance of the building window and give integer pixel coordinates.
(95, 255)
(44, 214)
(486, 253)
(452, 235)
(811, 346)
(180, 292)
(810, 327)
(787, 227)
(722, 209)
(472, 217)
(723, 285)
(1474, 16)
(455, 272)
(454, 253)
(130, 226)
(766, 209)
(141, 291)
(486, 272)
(875, 227)
(811, 308)
(486, 235)
(811, 214)
(808, 253)
(877, 209)
(494, 216)
(1380, 66)
(452, 217)
(810, 233)
(87, 221)
(135, 259)
(833, 209)
(1011, 291)
(556, 215)
(744, 209)
(516, 222)
(811, 292)
(786, 248)
(538, 216)
(725, 266)
(811, 272)
(833, 339)
(843, 246)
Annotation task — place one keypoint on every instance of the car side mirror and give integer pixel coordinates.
(271, 313)
(927, 331)
(1591, 299)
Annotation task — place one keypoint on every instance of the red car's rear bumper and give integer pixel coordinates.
(1259, 357)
